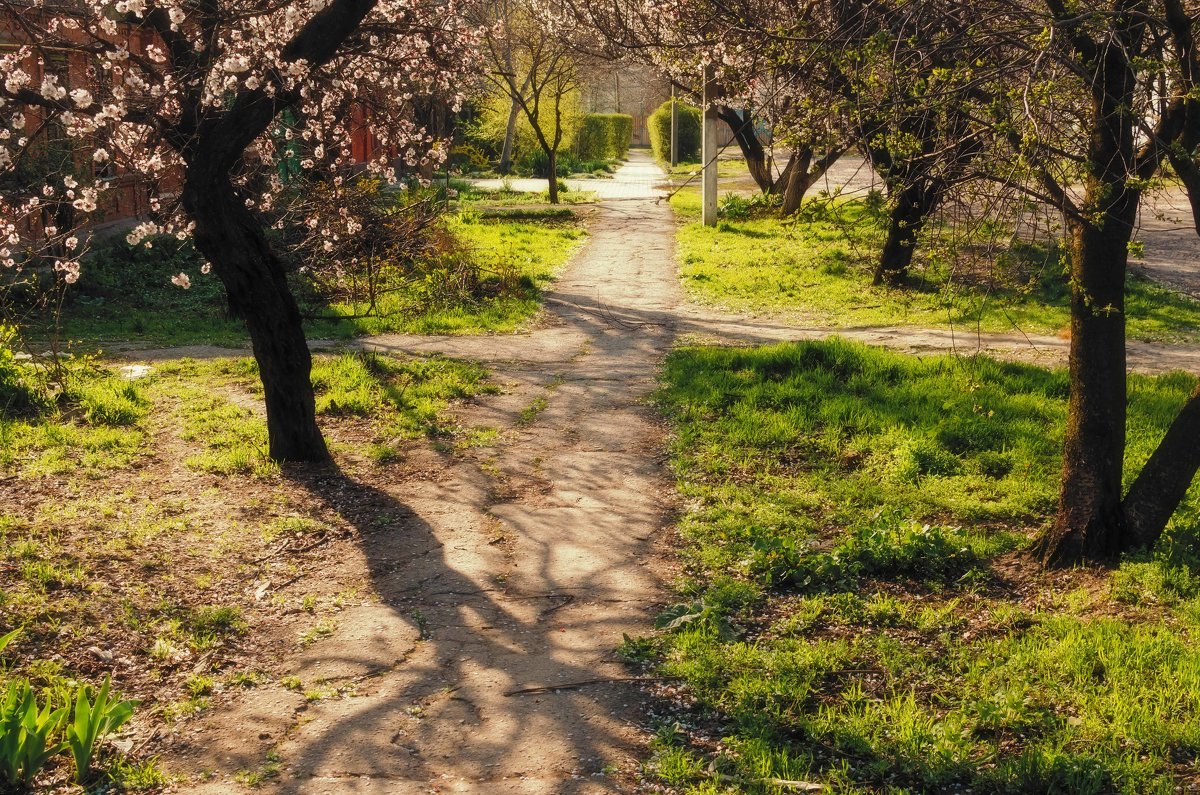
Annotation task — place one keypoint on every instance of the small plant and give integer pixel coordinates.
(27, 732)
(92, 721)
(734, 207)
(9, 638)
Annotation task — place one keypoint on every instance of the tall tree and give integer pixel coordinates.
(183, 97)
(1109, 95)
(533, 61)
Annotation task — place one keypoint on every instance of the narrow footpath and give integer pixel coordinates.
(488, 663)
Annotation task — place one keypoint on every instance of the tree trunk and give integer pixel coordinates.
(552, 157)
(255, 282)
(798, 180)
(913, 204)
(510, 133)
(753, 151)
(1166, 477)
(1090, 523)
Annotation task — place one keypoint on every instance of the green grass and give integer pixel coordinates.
(819, 268)
(148, 559)
(519, 255)
(847, 616)
(472, 195)
(94, 426)
(403, 399)
(126, 296)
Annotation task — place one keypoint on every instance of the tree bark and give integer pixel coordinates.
(910, 210)
(754, 153)
(552, 157)
(1166, 477)
(1090, 522)
(510, 133)
(255, 281)
(798, 180)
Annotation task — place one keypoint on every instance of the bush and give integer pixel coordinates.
(689, 132)
(537, 164)
(603, 136)
(20, 394)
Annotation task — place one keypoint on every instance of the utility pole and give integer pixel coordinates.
(674, 128)
(708, 150)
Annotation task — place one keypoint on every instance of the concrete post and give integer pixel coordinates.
(674, 128)
(708, 151)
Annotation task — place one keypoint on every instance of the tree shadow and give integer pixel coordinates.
(448, 709)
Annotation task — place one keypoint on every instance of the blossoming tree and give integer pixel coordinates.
(186, 98)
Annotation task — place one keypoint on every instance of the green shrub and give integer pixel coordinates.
(603, 136)
(20, 395)
(536, 163)
(689, 132)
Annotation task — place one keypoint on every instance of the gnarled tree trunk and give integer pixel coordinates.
(911, 207)
(232, 239)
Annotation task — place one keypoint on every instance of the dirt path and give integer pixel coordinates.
(517, 568)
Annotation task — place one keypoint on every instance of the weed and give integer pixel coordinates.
(268, 771)
(140, 776)
(531, 412)
(319, 631)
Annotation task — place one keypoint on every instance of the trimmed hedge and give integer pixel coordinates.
(603, 136)
(659, 126)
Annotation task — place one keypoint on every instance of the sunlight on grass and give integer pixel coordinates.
(844, 617)
(818, 266)
(126, 295)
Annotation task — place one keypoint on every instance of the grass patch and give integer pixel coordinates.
(518, 255)
(94, 425)
(170, 567)
(819, 266)
(847, 615)
(125, 294)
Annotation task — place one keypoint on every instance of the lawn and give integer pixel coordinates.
(126, 295)
(817, 268)
(144, 533)
(858, 609)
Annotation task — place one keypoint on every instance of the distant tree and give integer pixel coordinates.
(533, 61)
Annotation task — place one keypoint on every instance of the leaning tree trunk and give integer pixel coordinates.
(913, 204)
(1166, 477)
(753, 151)
(255, 281)
(1090, 521)
(510, 134)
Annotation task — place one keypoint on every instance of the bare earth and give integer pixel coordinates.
(482, 659)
